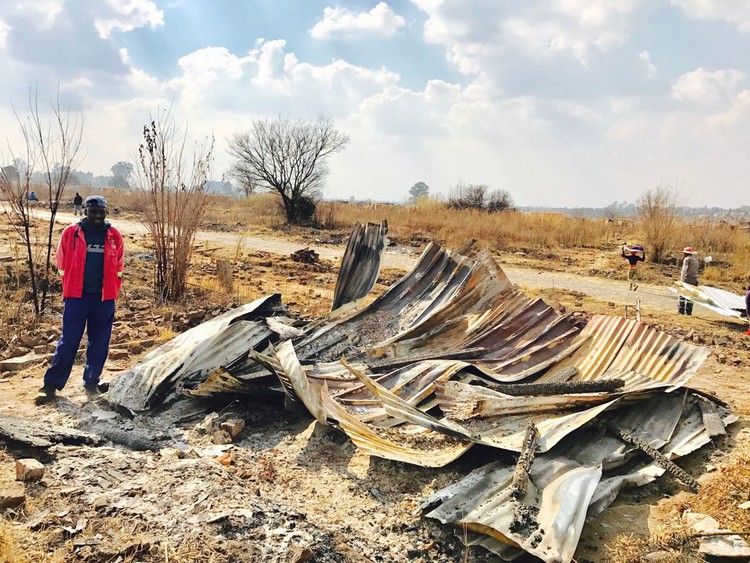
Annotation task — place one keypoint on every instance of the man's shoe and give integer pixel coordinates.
(46, 395)
(92, 391)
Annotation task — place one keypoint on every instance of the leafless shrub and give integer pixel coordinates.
(53, 149)
(658, 212)
(499, 200)
(467, 196)
(474, 196)
(172, 199)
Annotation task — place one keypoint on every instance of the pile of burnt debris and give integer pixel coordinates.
(452, 356)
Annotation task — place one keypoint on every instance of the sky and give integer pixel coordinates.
(563, 103)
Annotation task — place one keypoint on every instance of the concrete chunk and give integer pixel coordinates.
(12, 496)
(233, 426)
(29, 470)
(20, 362)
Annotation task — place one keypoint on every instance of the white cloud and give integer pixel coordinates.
(129, 15)
(4, 30)
(708, 88)
(475, 34)
(43, 12)
(735, 12)
(648, 67)
(381, 20)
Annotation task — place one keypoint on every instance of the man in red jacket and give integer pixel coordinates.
(90, 260)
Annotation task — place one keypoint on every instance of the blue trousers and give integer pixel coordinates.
(96, 316)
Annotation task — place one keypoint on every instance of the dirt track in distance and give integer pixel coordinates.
(653, 296)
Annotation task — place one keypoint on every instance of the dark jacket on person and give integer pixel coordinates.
(78, 200)
(689, 272)
(632, 259)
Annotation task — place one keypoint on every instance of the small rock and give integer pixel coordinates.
(29, 469)
(119, 354)
(300, 554)
(17, 362)
(233, 426)
(221, 437)
(100, 502)
(41, 349)
(30, 341)
(171, 453)
(12, 496)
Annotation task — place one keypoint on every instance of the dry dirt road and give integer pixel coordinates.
(651, 296)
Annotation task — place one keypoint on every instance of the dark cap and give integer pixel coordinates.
(95, 201)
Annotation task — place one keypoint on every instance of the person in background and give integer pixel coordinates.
(32, 197)
(90, 260)
(688, 275)
(633, 254)
(747, 305)
(78, 204)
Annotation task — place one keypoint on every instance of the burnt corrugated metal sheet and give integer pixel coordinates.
(410, 444)
(567, 484)
(646, 358)
(190, 357)
(449, 303)
(360, 264)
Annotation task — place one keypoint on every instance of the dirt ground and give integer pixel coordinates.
(288, 489)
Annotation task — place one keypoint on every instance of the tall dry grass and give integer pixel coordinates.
(507, 230)
(431, 219)
(516, 231)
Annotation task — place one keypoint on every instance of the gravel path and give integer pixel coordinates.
(659, 297)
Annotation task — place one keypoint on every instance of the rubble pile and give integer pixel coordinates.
(451, 359)
(453, 356)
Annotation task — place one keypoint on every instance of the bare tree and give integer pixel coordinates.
(54, 149)
(171, 195)
(245, 179)
(289, 157)
(657, 211)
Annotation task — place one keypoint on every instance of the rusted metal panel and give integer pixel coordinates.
(460, 401)
(566, 485)
(360, 264)
(191, 356)
(560, 494)
(448, 303)
(410, 444)
(641, 355)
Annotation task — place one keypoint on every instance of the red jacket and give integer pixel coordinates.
(71, 261)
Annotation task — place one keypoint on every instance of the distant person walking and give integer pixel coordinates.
(633, 254)
(32, 197)
(90, 259)
(78, 204)
(747, 306)
(688, 275)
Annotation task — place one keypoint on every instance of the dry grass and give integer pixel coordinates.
(431, 219)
